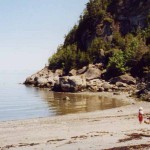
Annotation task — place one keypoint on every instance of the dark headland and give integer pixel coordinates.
(107, 50)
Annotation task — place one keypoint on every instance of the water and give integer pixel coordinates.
(18, 101)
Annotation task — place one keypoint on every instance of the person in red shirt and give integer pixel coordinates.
(140, 115)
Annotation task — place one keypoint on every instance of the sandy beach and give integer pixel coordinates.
(114, 129)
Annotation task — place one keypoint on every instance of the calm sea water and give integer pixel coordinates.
(18, 101)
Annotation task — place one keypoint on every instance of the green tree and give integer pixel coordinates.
(96, 50)
(117, 63)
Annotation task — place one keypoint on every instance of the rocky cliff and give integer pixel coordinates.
(108, 50)
(124, 16)
(113, 32)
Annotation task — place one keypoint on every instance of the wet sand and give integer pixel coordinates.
(118, 127)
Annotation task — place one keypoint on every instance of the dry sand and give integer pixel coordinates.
(118, 127)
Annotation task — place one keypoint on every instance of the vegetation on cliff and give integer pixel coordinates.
(113, 32)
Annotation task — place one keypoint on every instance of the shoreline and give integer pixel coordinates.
(117, 127)
(123, 96)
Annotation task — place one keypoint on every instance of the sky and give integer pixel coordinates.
(31, 30)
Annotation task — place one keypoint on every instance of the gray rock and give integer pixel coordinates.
(51, 81)
(39, 77)
(72, 83)
(126, 78)
(29, 80)
(106, 86)
(66, 87)
(73, 72)
(92, 73)
(36, 78)
(110, 90)
(148, 86)
(93, 88)
(42, 80)
(120, 84)
(94, 85)
(95, 82)
(101, 89)
(99, 66)
(116, 93)
(146, 96)
(115, 88)
(81, 71)
(123, 88)
(91, 66)
(66, 98)
(58, 73)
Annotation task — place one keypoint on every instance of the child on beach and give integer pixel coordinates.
(140, 115)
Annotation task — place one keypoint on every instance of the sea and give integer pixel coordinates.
(18, 101)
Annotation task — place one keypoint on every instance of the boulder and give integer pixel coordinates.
(73, 72)
(94, 85)
(65, 87)
(30, 80)
(39, 77)
(144, 92)
(95, 82)
(51, 81)
(72, 83)
(81, 71)
(58, 73)
(101, 89)
(42, 81)
(148, 86)
(121, 84)
(92, 73)
(106, 86)
(66, 98)
(116, 93)
(50, 74)
(64, 84)
(43, 72)
(99, 66)
(147, 97)
(126, 78)
(93, 88)
(91, 66)
(77, 83)
(56, 86)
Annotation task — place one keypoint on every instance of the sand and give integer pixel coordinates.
(118, 127)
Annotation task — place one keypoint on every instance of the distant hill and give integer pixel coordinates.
(115, 33)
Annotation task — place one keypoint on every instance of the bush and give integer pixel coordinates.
(145, 62)
(108, 20)
(134, 50)
(71, 36)
(117, 64)
(98, 38)
(64, 58)
(82, 59)
(118, 41)
(95, 50)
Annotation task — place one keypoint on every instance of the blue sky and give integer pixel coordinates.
(31, 30)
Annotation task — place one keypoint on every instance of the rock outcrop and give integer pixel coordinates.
(87, 78)
(92, 72)
(144, 89)
(114, 35)
(126, 78)
(72, 83)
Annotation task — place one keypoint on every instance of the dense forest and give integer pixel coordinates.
(115, 33)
